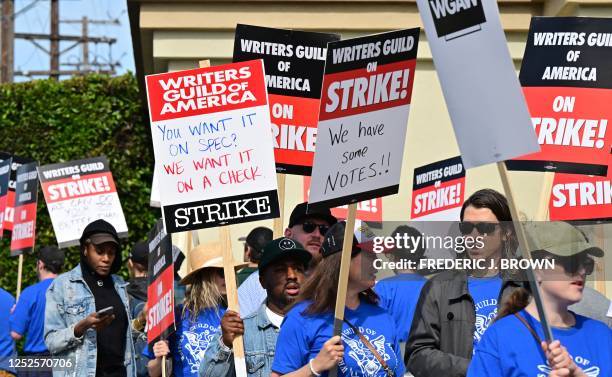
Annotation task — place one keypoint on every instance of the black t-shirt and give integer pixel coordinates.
(111, 339)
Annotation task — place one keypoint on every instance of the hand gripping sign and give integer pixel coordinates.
(213, 146)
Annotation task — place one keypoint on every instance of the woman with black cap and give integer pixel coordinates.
(86, 316)
(369, 345)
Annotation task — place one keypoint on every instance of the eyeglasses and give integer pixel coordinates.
(310, 227)
(466, 227)
(572, 265)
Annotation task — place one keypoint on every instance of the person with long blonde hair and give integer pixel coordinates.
(198, 319)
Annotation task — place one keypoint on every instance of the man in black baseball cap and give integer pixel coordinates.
(308, 227)
(281, 273)
(254, 243)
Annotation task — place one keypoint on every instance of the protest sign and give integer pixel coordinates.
(213, 146)
(363, 117)
(26, 197)
(77, 193)
(160, 291)
(5, 175)
(567, 81)
(438, 190)
(581, 197)
(482, 93)
(294, 63)
(367, 210)
(9, 210)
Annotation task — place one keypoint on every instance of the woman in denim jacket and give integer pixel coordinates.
(91, 344)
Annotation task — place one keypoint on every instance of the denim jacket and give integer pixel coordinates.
(259, 345)
(70, 300)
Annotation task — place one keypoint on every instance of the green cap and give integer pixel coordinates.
(281, 248)
(559, 238)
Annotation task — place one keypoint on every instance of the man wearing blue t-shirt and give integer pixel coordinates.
(28, 317)
(7, 344)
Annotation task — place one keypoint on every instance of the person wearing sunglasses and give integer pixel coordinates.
(307, 227)
(514, 346)
(456, 306)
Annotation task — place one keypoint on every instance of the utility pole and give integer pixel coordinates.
(7, 41)
(54, 53)
(85, 44)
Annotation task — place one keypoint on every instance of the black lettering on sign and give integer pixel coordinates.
(456, 18)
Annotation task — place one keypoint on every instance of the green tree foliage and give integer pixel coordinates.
(83, 117)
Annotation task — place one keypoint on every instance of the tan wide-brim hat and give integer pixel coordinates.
(207, 255)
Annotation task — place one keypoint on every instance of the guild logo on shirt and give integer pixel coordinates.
(286, 244)
(484, 317)
(194, 345)
(456, 18)
(584, 364)
(368, 364)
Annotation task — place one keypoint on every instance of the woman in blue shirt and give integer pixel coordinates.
(305, 345)
(513, 345)
(198, 319)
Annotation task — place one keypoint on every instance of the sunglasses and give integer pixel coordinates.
(310, 227)
(466, 227)
(572, 265)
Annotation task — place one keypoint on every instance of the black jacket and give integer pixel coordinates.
(442, 332)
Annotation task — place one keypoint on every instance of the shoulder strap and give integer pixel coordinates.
(367, 343)
(531, 330)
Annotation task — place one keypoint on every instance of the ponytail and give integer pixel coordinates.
(517, 301)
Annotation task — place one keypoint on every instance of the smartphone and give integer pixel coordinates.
(105, 312)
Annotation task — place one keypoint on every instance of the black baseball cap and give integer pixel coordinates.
(301, 213)
(140, 253)
(334, 239)
(259, 237)
(281, 248)
(99, 232)
(52, 256)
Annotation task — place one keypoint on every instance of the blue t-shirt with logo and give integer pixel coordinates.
(29, 316)
(189, 342)
(484, 292)
(399, 295)
(508, 349)
(303, 335)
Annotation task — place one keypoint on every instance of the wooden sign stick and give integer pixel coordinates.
(278, 229)
(232, 297)
(345, 264)
(525, 249)
(19, 273)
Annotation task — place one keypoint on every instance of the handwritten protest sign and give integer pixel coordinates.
(213, 146)
(482, 93)
(9, 210)
(438, 190)
(5, 175)
(26, 197)
(77, 193)
(294, 63)
(160, 291)
(367, 210)
(567, 81)
(363, 117)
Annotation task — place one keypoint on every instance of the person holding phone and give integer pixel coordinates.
(87, 313)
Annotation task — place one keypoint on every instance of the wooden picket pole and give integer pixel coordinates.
(525, 249)
(345, 263)
(232, 296)
(19, 276)
(278, 229)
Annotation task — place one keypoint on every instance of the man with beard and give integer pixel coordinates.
(308, 228)
(281, 270)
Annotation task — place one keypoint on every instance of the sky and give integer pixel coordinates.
(36, 19)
